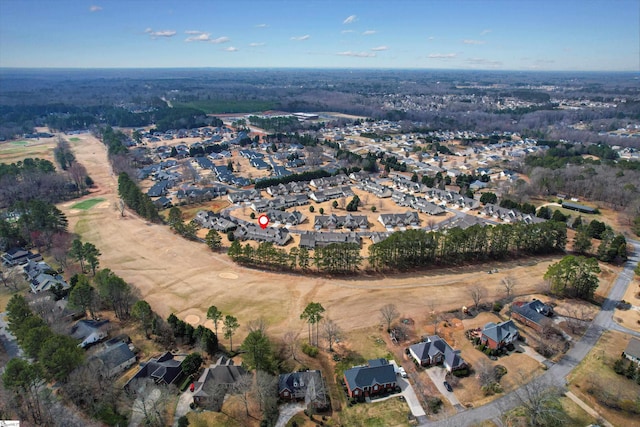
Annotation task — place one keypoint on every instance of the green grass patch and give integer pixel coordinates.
(82, 226)
(391, 412)
(87, 204)
(74, 139)
(227, 106)
(19, 142)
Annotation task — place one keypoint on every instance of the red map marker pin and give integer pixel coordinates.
(263, 221)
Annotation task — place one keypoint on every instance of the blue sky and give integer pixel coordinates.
(491, 34)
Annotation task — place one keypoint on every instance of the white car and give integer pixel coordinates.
(402, 372)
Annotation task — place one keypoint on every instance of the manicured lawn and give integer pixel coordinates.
(390, 412)
(74, 139)
(19, 142)
(87, 204)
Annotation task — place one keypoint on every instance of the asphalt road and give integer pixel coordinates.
(556, 375)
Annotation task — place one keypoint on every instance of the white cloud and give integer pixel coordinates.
(231, 49)
(379, 48)
(95, 8)
(301, 38)
(369, 32)
(442, 55)
(485, 32)
(357, 54)
(261, 26)
(194, 32)
(201, 37)
(469, 41)
(431, 38)
(162, 33)
(219, 40)
(350, 19)
(256, 44)
(347, 31)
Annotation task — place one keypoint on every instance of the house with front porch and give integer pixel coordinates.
(434, 350)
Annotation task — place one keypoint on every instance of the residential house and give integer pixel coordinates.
(214, 383)
(280, 202)
(632, 352)
(158, 189)
(19, 256)
(434, 350)
(90, 331)
(116, 357)
(377, 377)
(311, 239)
(300, 386)
(534, 314)
(283, 217)
(402, 220)
(165, 369)
(330, 193)
(332, 181)
(290, 188)
(496, 336)
(334, 221)
(278, 236)
(244, 196)
(207, 219)
(381, 191)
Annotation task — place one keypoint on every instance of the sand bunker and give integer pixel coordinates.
(192, 319)
(232, 276)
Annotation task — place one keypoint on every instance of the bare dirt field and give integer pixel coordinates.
(175, 275)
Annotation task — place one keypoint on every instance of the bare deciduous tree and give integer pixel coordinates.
(332, 332)
(150, 401)
(388, 313)
(290, 341)
(11, 277)
(509, 283)
(477, 294)
(258, 325)
(242, 390)
(540, 404)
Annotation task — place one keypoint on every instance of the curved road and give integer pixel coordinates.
(556, 375)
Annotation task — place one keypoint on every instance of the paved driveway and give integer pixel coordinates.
(437, 375)
(287, 412)
(182, 407)
(411, 398)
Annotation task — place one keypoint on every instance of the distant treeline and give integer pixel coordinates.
(413, 249)
(304, 176)
(560, 154)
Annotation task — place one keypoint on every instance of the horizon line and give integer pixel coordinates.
(45, 68)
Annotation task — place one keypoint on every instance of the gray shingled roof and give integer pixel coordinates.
(505, 331)
(367, 376)
(633, 348)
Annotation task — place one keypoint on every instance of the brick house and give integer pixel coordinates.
(533, 314)
(496, 336)
(377, 377)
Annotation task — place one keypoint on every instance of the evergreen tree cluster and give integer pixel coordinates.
(189, 335)
(136, 199)
(304, 176)
(56, 354)
(419, 249)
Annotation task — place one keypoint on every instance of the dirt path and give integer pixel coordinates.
(175, 275)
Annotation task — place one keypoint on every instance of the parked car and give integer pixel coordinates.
(448, 387)
(402, 372)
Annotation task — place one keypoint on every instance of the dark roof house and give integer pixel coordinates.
(533, 314)
(210, 389)
(496, 336)
(166, 369)
(116, 357)
(302, 385)
(375, 378)
(434, 350)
